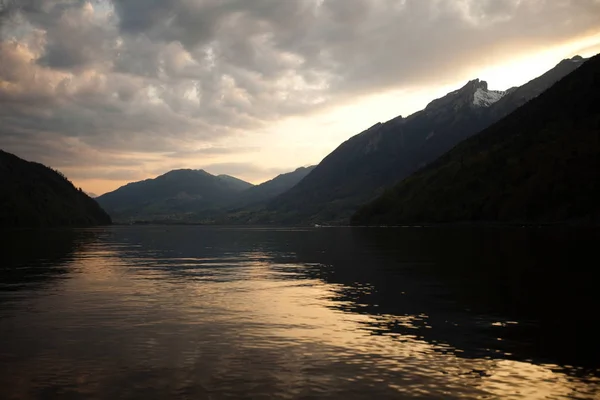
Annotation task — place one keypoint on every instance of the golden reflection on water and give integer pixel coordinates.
(242, 325)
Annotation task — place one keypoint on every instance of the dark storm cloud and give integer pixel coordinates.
(156, 76)
(76, 39)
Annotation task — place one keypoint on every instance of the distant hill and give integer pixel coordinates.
(173, 196)
(187, 195)
(34, 195)
(540, 164)
(249, 207)
(362, 167)
(274, 187)
(235, 183)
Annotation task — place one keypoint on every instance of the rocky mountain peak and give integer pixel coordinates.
(570, 62)
(474, 85)
(474, 93)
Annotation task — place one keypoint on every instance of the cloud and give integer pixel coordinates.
(168, 77)
(210, 151)
(78, 37)
(117, 174)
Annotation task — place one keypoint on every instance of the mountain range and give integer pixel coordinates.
(436, 157)
(188, 195)
(540, 164)
(358, 171)
(363, 166)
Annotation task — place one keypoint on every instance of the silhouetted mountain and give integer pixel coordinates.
(249, 207)
(274, 187)
(363, 166)
(540, 164)
(194, 196)
(235, 183)
(171, 196)
(34, 195)
(516, 97)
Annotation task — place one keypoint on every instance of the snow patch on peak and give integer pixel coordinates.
(485, 98)
(574, 60)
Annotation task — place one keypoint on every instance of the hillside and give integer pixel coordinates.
(34, 195)
(540, 164)
(234, 183)
(172, 196)
(274, 187)
(516, 97)
(363, 166)
(194, 196)
(249, 207)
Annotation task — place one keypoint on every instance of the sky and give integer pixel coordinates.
(114, 91)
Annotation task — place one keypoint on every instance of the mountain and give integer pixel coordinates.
(34, 195)
(172, 196)
(249, 207)
(274, 187)
(516, 97)
(363, 166)
(235, 183)
(187, 195)
(540, 164)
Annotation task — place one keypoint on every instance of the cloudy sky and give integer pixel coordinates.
(110, 91)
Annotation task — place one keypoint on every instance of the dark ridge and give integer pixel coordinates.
(361, 168)
(540, 164)
(34, 195)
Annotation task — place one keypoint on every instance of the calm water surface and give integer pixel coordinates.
(214, 313)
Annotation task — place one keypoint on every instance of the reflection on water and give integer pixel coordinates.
(211, 313)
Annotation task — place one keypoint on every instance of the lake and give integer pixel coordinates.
(143, 312)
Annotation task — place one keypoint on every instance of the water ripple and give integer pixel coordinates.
(225, 313)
